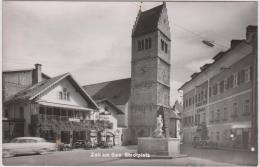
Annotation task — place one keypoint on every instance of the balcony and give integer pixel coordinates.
(211, 121)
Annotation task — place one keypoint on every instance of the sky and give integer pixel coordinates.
(92, 40)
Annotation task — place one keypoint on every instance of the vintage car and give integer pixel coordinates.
(27, 145)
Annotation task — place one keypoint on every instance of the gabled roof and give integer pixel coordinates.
(38, 89)
(117, 91)
(147, 21)
(119, 112)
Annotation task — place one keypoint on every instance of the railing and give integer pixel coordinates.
(64, 118)
(43, 117)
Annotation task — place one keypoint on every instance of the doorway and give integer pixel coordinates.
(65, 137)
(245, 137)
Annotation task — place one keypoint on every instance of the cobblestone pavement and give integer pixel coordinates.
(83, 157)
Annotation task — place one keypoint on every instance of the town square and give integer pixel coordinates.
(129, 83)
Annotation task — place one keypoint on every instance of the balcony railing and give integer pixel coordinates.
(51, 117)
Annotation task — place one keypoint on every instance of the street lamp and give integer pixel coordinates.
(208, 43)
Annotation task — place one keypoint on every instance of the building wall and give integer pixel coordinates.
(113, 118)
(14, 82)
(14, 113)
(226, 106)
(122, 119)
(75, 98)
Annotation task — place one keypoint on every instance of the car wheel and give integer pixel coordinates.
(7, 154)
(43, 151)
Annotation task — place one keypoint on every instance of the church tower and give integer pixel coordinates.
(150, 71)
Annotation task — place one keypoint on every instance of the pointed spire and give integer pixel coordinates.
(164, 3)
(137, 17)
(140, 7)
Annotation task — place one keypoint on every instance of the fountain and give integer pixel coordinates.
(158, 145)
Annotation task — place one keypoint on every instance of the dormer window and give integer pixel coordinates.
(64, 95)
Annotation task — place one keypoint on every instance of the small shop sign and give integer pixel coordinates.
(104, 117)
(74, 119)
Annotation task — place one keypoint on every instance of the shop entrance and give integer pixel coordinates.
(65, 137)
(79, 135)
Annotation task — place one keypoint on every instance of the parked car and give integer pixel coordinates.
(27, 145)
(79, 144)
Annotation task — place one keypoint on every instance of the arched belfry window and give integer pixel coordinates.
(144, 44)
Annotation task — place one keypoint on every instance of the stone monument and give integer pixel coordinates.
(158, 145)
(158, 131)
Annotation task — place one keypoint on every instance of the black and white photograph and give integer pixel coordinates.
(129, 83)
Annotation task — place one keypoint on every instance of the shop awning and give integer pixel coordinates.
(65, 106)
(241, 125)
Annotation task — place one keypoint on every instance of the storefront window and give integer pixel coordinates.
(49, 111)
(70, 113)
(41, 110)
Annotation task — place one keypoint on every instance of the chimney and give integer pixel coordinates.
(37, 76)
(251, 33)
(235, 42)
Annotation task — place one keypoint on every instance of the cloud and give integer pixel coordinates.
(92, 40)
